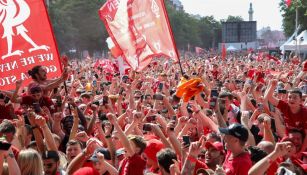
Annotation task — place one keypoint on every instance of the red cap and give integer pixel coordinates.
(216, 145)
(153, 147)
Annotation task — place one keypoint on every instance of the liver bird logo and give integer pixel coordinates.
(13, 13)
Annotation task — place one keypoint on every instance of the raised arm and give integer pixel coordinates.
(75, 125)
(269, 93)
(263, 165)
(56, 82)
(121, 135)
(40, 121)
(15, 98)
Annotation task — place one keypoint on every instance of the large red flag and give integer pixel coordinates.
(224, 51)
(288, 2)
(26, 40)
(140, 28)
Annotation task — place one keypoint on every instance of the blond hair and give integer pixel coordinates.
(30, 162)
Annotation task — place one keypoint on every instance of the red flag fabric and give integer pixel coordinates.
(141, 30)
(269, 57)
(199, 50)
(288, 2)
(26, 40)
(106, 65)
(224, 52)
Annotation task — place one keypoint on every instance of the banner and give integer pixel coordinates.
(26, 40)
(140, 29)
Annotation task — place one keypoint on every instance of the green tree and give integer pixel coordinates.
(77, 25)
(233, 19)
(289, 15)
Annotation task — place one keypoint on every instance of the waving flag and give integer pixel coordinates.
(140, 29)
(288, 2)
(26, 40)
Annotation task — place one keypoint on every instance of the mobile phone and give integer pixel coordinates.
(37, 108)
(151, 118)
(121, 91)
(186, 140)
(282, 91)
(271, 107)
(260, 106)
(157, 97)
(214, 93)
(161, 86)
(146, 127)
(105, 99)
(176, 76)
(59, 100)
(5, 146)
(125, 78)
(238, 81)
(213, 99)
(96, 103)
(95, 83)
(250, 82)
(6, 100)
(174, 118)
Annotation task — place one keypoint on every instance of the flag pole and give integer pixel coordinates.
(296, 23)
(172, 36)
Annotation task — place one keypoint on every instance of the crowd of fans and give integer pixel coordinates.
(226, 117)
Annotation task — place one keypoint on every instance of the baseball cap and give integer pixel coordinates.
(236, 130)
(104, 151)
(216, 145)
(50, 155)
(152, 148)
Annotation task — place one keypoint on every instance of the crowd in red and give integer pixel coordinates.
(234, 117)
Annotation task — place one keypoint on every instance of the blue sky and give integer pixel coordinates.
(266, 12)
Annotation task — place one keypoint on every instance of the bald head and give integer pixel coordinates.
(266, 146)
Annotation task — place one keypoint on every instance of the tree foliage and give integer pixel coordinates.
(77, 26)
(289, 15)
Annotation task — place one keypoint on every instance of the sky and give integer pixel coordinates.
(266, 12)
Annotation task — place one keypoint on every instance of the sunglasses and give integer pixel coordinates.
(201, 156)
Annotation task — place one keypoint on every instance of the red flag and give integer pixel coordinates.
(26, 40)
(288, 2)
(224, 52)
(199, 50)
(140, 29)
(269, 57)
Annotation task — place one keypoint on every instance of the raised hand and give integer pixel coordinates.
(40, 121)
(82, 136)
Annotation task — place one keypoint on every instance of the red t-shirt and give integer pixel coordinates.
(133, 165)
(5, 112)
(44, 101)
(239, 165)
(86, 171)
(215, 74)
(297, 120)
